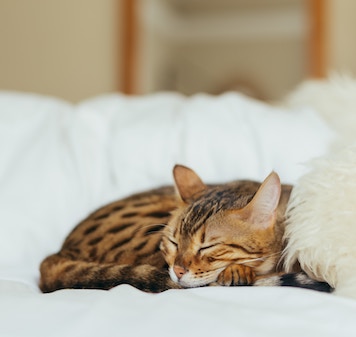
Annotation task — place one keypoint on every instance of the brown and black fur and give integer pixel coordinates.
(117, 244)
(131, 240)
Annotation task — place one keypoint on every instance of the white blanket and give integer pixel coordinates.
(59, 161)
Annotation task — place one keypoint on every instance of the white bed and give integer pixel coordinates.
(59, 161)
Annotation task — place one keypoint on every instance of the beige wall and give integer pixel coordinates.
(341, 43)
(65, 48)
(71, 48)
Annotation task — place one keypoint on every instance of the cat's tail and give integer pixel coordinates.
(299, 280)
(60, 272)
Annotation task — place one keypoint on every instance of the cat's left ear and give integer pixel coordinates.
(188, 183)
(261, 210)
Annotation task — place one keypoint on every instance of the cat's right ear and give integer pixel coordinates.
(188, 183)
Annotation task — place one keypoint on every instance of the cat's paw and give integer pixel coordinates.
(236, 275)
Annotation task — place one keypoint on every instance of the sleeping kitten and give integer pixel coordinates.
(198, 235)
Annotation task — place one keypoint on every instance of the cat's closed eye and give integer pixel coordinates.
(205, 248)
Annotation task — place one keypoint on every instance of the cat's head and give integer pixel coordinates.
(220, 225)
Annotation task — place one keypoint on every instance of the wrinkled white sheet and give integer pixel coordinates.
(125, 311)
(60, 161)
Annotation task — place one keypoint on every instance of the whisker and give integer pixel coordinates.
(214, 269)
(262, 258)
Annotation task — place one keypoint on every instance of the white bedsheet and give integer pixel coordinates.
(125, 311)
(60, 161)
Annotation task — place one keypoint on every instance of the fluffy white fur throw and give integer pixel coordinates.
(321, 229)
(335, 101)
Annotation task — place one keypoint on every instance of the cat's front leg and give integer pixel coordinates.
(236, 275)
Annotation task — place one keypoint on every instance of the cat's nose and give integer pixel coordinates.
(179, 271)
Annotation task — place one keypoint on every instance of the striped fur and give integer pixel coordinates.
(228, 235)
(300, 280)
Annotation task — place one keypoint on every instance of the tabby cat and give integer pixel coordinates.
(189, 236)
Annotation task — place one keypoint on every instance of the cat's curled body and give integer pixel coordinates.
(189, 236)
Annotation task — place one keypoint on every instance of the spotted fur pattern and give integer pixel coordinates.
(227, 235)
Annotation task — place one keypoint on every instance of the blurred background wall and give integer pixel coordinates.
(75, 49)
(65, 48)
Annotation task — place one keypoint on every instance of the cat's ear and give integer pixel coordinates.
(261, 210)
(188, 183)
